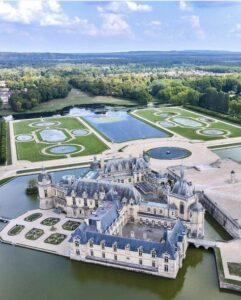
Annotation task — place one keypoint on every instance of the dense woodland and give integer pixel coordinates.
(215, 86)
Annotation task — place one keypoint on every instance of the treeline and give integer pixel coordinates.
(30, 92)
(3, 142)
(123, 86)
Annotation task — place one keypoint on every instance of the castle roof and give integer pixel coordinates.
(44, 176)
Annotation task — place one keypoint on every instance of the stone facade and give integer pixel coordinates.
(133, 218)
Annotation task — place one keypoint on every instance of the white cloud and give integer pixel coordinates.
(43, 13)
(194, 22)
(114, 24)
(236, 30)
(123, 7)
(184, 6)
(133, 6)
(155, 23)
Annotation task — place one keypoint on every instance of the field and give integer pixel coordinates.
(75, 97)
(52, 138)
(189, 124)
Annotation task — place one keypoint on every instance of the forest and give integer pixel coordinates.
(215, 87)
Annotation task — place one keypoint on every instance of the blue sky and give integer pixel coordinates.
(78, 26)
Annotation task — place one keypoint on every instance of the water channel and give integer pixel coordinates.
(27, 274)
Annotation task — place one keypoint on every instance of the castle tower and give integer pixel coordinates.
(197, 218)
(45, 190)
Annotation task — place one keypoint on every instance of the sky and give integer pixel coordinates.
(113, 26)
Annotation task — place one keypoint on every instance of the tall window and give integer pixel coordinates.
(153, 253)
(91, 243)
(91, 253)
(102, 245)
(140, 251)
(45, 193)
(115, 257)
(140, 261)
(166, 259)
(181, 209)
(166, 268)
(153, 264)
(103, 254)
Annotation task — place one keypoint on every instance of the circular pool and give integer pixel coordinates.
(64, 149)
(80, 132)
(168, 153)
(24, 138)
(186, 122)
(213, 132)
(42, 124)
(166, 124)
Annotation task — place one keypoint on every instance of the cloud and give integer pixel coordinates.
(43, 13)
(236, 30)
(184, 6)
(114, 24)
(155, 29)
(123, 7)
(194, 22)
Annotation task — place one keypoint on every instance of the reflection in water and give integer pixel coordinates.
(28, 274)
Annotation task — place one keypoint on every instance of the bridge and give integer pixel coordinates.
(203, 243)
(4, 219)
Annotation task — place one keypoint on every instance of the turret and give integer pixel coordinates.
(45, 190)
(197, 218)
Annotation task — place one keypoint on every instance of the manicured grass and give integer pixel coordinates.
(70, 225)
(5, 180)
(188, 132)
(234, 269)
(224, 146)
(55, 238)
(50, 221)
(34, 234)
(221, 271)
(33, 217)
(15, 230)
(32, 151)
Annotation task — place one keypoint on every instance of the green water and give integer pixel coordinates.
(32, 275)
(233, 152)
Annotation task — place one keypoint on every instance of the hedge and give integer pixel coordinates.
(3, 142)
(218, 115)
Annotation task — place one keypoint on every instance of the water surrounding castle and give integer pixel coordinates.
(132, 217)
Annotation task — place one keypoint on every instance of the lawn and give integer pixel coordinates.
(34, 234)
(234, 269)
(50, 221)
(33, 150)
(55, 238)
(33, 217)
(15, 230)
(70, 225)
(206, 122)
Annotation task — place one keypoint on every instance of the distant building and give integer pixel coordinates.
(132, 217)
(4, 93)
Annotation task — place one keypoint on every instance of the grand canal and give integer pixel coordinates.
(28, 274)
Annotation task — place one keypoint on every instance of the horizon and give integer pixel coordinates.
(86, 27)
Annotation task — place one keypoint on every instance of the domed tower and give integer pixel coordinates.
(197, 219)
(45, 190)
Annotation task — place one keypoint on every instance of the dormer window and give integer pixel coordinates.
(114, 247)
(102, 243)
(166, 259)
(91, 243)
(153, 253)
(127, 247)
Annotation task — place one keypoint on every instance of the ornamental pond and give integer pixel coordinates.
(119, 126)
(55, 277)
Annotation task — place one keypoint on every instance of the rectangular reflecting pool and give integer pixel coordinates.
(120, 126)
(233, 153)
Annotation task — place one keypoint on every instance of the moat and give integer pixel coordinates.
(21, 268)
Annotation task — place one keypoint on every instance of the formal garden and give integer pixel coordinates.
(70, 225)
(55, 238)
(33, 217)
(50, 221)
(52, 138)
(15, 230)
(188, 124)
(34, 234)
